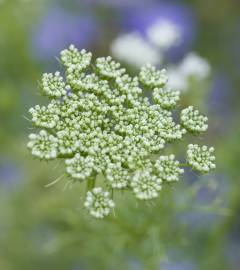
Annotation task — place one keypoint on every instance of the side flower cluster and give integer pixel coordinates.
(201, 158)
(101, 122)
(98, 202)
(193, 121)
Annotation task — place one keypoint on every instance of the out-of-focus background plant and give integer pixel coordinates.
(194, 225)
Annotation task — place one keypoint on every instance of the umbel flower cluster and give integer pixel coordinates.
(101, 122)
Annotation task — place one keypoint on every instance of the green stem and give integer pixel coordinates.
(91, 183)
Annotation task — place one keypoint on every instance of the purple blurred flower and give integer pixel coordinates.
(232, 247)
(142, 18)
(220, 95)
(181, 265)
(9, 173)
(117, 3)
(217, 186)
(220, 103)
(202, 214)
(58, 29)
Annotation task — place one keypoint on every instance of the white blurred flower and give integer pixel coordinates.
(176, 80)
(164, 34)
(191, 66)
(194, 65)
(134, 50)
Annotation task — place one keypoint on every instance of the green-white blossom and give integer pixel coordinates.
(101, 122)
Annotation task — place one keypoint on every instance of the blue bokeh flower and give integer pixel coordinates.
(10, 173)
(59, 28)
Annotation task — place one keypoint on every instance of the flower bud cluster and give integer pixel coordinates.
(129, 88)
(166, 98)
(98, 203)
(146, 185)
(201, 158)
(109, 68)
(67, 141)
(102, 123)
(117, 176)
(43, 145)
(89, 82)
(151, 77)
(53, 85)
(79, 167)
(193, 121)
(168, 168)
(45, 117)
(75, 60)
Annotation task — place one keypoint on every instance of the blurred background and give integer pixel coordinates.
(194, 225)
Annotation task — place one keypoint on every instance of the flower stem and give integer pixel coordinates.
(91, 183)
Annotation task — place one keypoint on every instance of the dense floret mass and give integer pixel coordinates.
(102, 122)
